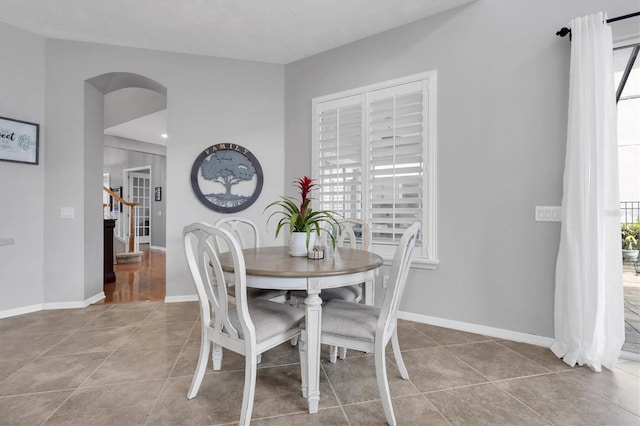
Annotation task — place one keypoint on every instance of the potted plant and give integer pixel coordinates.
(630, 233)
(304, 223)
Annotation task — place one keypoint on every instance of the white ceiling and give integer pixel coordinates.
(274, 31)
(148, 128)
(277, 31)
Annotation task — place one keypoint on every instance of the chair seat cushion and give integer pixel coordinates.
(258, 293)
(269, 318)
(349, 319)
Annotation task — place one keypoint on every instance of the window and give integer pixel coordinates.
(376, 159)
(627, 83)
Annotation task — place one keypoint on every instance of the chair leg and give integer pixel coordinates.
(302, 350)
(293, 301)
(383, 385)
(250, 372)
(342, 352)
(333, 354)
(203, 359)
(216, 357)
(395, 344)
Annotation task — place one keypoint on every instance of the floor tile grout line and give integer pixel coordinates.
(524, 404)
(602, 396)
(334, 392)
(53, 412)
(466, 363)
(446, 419)
(157, 401)
(422, 333)
(493, 380)
(42, 355)
(522, 355)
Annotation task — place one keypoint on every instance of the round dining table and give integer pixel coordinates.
(274, 268)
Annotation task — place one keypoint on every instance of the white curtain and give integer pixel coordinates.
(589, 304)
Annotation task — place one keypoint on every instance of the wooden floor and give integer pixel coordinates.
(136, 282)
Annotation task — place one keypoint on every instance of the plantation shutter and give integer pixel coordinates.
(375, 158)
(340, 158)
(395, 160)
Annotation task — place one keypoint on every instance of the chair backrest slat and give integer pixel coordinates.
(203, 245)
(354, 231)
(397, 281)
(243, 229)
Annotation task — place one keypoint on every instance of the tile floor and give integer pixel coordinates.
(132, 364)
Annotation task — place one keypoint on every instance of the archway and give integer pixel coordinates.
(112, 100)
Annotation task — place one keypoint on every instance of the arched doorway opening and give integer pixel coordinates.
(125, 130)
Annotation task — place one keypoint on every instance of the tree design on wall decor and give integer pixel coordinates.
(228, 168)
(227, 178)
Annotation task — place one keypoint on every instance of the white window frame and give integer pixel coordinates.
(425, 256)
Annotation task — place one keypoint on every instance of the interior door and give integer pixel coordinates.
(140, 192)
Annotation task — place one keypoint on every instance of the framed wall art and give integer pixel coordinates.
(18, 141)
(116, 205)
(227, 178)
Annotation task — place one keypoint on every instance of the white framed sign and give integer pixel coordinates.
(18, 141)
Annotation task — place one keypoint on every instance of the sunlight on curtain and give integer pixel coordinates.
(589, 305)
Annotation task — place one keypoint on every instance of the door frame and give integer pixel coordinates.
(125, 189)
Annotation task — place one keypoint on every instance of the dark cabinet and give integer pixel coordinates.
(109, 275)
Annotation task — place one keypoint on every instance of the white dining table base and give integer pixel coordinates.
(313, 322)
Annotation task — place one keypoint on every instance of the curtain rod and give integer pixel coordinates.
(564, 30)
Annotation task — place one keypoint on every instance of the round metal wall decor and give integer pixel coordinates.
(227, 178)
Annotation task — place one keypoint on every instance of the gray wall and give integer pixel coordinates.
(210, 100)
(502, 111)
(22, 185)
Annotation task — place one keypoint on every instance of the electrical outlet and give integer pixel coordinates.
(67, 213)
(548, 214)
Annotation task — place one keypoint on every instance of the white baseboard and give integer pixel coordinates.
(74, 305)
(176, 299)
(500, 333)
(20, 311)
(158, 248)
(98, 297)
(48, 306)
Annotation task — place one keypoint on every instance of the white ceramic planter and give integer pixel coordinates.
(298, 243)
(629, 254)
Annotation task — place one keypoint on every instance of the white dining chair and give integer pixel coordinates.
(250, 327)
(246, 232)
(368, 328)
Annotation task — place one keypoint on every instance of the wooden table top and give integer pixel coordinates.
(276, 262)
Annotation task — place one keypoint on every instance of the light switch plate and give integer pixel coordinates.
(67, 213)
(548, 214)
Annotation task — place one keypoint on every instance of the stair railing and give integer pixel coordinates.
(132, 238)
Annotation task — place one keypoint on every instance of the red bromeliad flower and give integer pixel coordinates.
(306, 185)
(301, 217)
